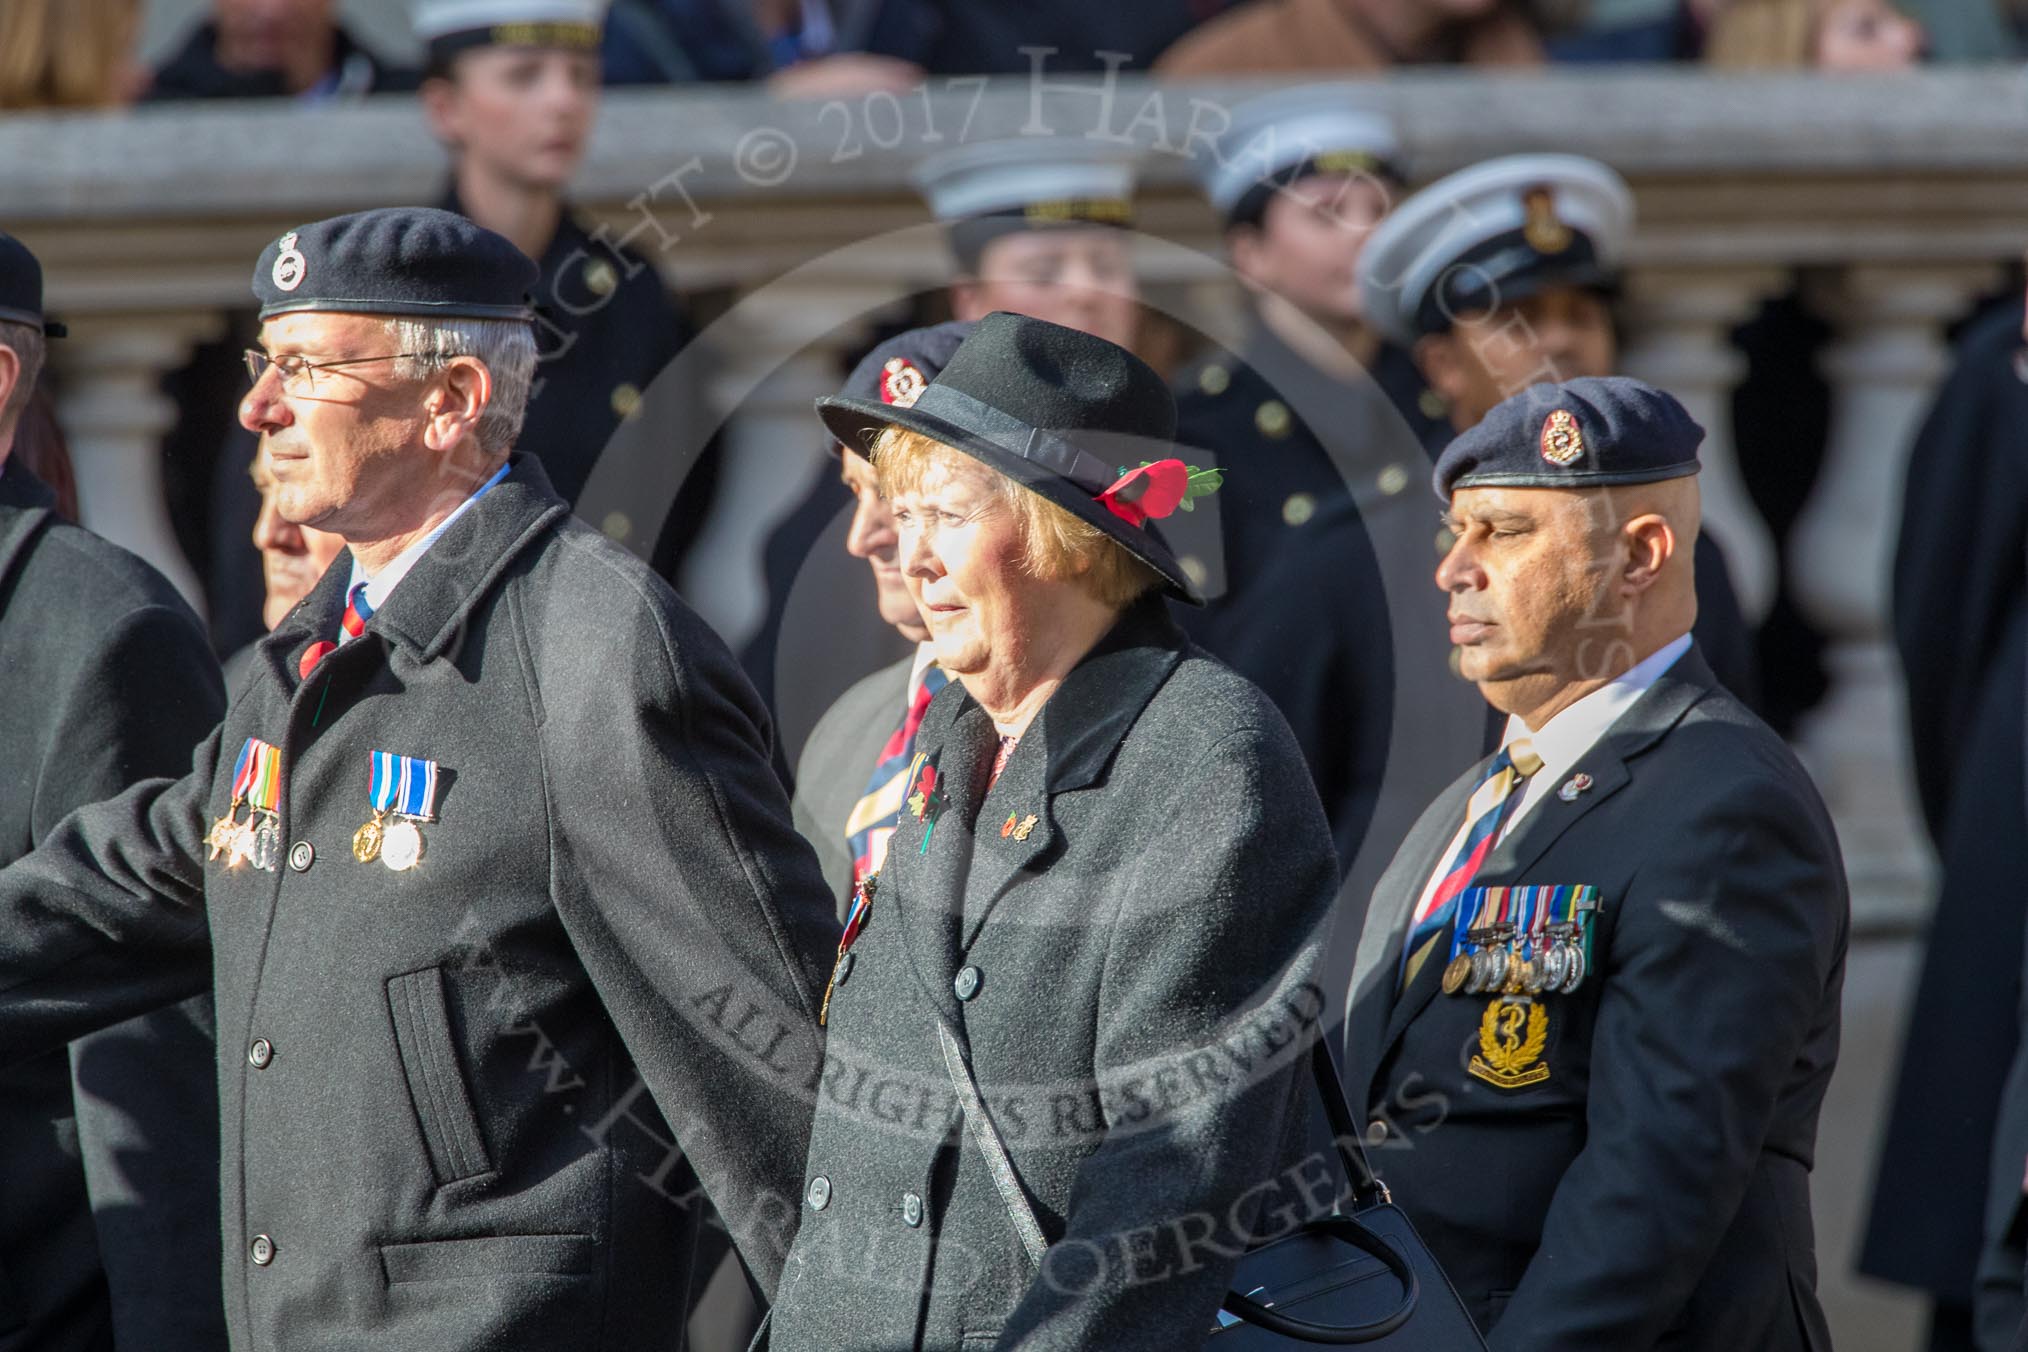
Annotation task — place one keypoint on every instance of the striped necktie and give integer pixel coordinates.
(878, 810)
(358, 610)
(1486, 809)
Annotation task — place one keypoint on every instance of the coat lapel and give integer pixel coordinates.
(1067, 748)
(928, 888)
(27, 507)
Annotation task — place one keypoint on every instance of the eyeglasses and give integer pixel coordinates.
(293, 366)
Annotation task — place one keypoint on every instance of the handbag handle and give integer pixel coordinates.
(1350, 1231)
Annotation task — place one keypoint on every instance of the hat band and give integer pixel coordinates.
(14, 316)
(1052, 451)
(1250, 207)
(1506, 267)
(574, 37)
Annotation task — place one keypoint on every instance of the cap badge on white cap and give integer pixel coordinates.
(1544, 229)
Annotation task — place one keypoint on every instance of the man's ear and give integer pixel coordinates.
(967, 303)
(1650, 542)
(457, 397)
(440, 104)
(1436, 356)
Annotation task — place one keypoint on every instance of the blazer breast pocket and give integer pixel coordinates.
(436, 1082)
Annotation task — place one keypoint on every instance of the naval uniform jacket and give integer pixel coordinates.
(1652, 1191)
(1119, 936)
(434, 1134)
(108, 1153)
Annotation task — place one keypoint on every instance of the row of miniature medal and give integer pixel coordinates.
(1521, 941)
(404, 794)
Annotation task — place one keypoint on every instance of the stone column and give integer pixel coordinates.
(778, 350)
(114, 415)
(1679, 325)
(1884, 363)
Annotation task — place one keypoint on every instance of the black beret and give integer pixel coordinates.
(21, 287)
(395, 261)
(1586, 433)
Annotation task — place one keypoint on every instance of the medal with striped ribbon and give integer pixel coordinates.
(405, 789)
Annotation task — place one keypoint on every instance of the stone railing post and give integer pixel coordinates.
(113, 411)
(1885, 360)
(1680, 323)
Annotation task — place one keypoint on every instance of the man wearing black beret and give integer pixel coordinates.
(1595, 1006)
(490, 825)
(108, 1151)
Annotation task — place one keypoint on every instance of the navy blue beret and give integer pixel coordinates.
(21, 287)
(395, 261)
(897, 371)
(1586, 433)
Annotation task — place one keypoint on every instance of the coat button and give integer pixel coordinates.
(260, 1053)
(967, 984)
(820, 1193)
(262, 1250)
(845, 968)
(1376, 1132)
(301, 855)
(911, 1209)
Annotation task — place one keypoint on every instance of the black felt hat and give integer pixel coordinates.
(419, 261)
(1064, 414)
(1592, 432)
(21, 287)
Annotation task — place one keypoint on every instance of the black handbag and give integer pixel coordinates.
(1357, 1276)
(1361, 1275)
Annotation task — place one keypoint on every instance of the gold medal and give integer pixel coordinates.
(1455, 973)
(401, 846)
(367, 839)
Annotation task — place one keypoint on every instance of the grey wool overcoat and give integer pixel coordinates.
(434, 1134)
(1119, 937)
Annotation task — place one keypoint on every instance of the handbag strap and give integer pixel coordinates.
(987, 1136)
(1367, 1189)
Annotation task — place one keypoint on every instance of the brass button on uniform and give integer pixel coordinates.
(260, 1053)
(625, 399)
(967, 984)
(911, 1210)
(1272, 418)
(820, 1193)
(1376, 1132)
(599, 277)
(1299, 508)
(262, 1250)
(301, 855)
(1393, 479)
(1214, 379)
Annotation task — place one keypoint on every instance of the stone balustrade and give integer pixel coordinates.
(1897, 196)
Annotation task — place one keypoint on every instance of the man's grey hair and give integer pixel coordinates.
(505, 346)
(30, 347)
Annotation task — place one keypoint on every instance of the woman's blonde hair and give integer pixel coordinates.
(1055, 545)
(64, 53)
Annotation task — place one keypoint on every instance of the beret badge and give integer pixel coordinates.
(901, 382)
(290, 265)
(1562, 441)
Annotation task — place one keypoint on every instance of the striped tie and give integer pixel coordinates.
(878, 810)
(1486, 809)
(358, 610)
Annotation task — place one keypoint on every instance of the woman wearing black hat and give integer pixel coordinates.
(1067, 1020)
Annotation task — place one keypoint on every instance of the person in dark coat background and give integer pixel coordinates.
(484, 867)
(1960, 609)
(268, 49)
(108, 1152)
(1597, 999)
(1111, 859)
